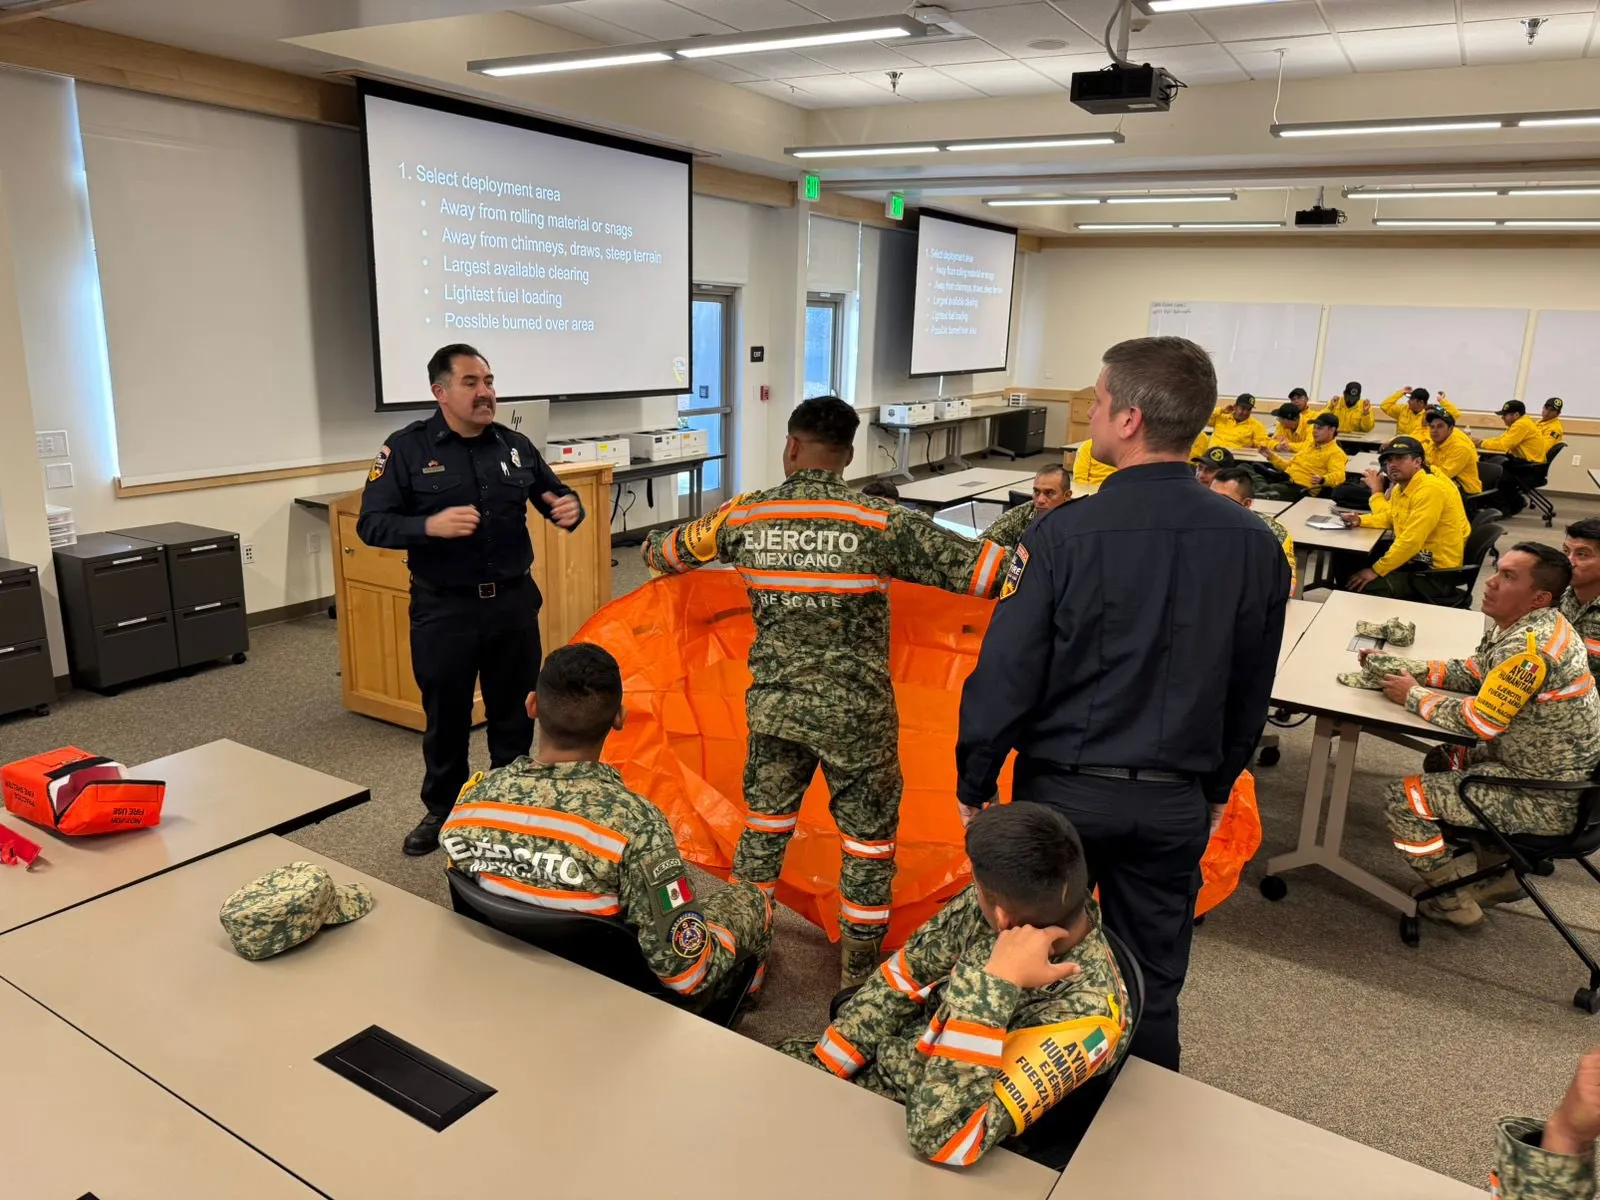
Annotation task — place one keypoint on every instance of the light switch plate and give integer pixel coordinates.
(51, 443)
(58, 475)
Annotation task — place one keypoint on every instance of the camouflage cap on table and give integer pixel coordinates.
(1374, 671)
(287, 906)
(1394, 631)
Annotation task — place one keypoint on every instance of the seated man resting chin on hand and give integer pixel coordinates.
(999, 1006)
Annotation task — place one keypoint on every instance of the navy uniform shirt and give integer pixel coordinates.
(1138, 627)
(427, 468)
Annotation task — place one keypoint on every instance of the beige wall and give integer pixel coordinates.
(1078, 302)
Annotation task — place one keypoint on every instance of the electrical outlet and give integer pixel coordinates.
(1577, 460)
(314, 542)
(249, 552)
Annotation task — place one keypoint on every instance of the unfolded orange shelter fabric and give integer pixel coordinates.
(682, 642)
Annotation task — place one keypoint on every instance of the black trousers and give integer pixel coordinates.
(1144, 842)
(456, 640)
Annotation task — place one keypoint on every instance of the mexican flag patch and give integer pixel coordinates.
(1096, 1047)
(674, 894)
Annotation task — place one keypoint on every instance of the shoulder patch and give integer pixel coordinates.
(1044, 1063)
(687, 934)
(378, 465)
(1511, 684)
(1014, 570)
(466, 787)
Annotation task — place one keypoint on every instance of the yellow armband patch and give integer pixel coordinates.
(700, 535)
(1510, 685)
(1043, 1064)
(466, 787)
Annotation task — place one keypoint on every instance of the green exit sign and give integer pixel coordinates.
(895, 206)
(813, 187)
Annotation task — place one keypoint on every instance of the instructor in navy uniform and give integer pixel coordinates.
(453, 491)
(1129, 663)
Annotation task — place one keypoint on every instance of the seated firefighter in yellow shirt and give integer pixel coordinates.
(1309, 472)
(1210, 462)
(1087, 470)
(1234, 426)
(561, 831)
(1522, 438)
(1293, 433)
(1429, 524)
(1450, 452)
(1409, 408)
(1549, 421)
(1354, 413)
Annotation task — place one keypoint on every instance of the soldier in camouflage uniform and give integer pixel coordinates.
(1052, 487)
(817, 557)
(1239, 485)
(999, 1006)
(1553, 1160)
(1580, 603)
(1534, 709)
(560, 830)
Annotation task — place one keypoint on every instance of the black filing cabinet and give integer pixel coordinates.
(1021, 432)
(117, 606)
(26, 681)
(205, 575)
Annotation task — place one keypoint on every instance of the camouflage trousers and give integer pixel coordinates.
(1417, 804)
(746, 914)
(864, 787)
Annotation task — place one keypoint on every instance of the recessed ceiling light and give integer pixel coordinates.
(794, 41)
(1105, 226)
(1419, 193)
(1041, 142)
(1342, 129)
(1176, 198)
(859, 151)
(1433, 223)
(1042, 201)
(1047, 44)
(1576, 190)
(1230, 224)
(1551, 223)
(1169, 6)
(550, 66)
(1550, 122)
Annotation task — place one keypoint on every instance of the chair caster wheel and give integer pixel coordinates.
(41, 710)
(1199, 921)
(1269, 757)
(1273, 888)
(1587, 999)
(1410, 931)
(239, 658)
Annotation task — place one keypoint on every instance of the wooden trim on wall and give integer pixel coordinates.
(853, 208)
(27, 10)
(728, 184)
(1361, 240)
(1029, 243)
(95, 56)
(123, 491)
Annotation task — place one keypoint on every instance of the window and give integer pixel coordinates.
(824, 340)
(706, 404)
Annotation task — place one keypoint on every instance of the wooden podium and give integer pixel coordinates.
(372, 589)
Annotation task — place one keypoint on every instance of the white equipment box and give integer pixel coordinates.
(613, 450)
(694, 442)
(569, 452)
(949, 410)
(906, 414)
(655, 445)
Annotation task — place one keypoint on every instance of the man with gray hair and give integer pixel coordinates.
(1129, 663)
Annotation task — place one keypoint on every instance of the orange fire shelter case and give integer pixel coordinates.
(78, 794)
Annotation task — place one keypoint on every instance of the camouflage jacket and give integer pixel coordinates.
(571, 836)
(1533, 705)
(1525, 1172)
(817, 557)
(1287, 542)
(1585, 619)
(989, 1059)
(1010, 525)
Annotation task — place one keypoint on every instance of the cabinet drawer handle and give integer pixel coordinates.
(135, 621)
(122, 562)
(200, 549)
(202, 607)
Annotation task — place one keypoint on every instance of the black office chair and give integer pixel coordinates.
(1489, 474)
(1530, 477)
(1529, 855)
(1463, 579)
(1015, 498)
(601, 945)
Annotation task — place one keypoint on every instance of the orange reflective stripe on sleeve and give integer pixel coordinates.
(669, 551)
(875, 850)
(897, 974)
(838, 1055)
(1560, 639)
(1572, 691)
(724, 936)
(1436, 673)
(811, 581)
(1417, 798)
(983, 575)
(540, 822)
(1474, 669)
(930, 1035)
(864, 916)
(598, 904)
(796, 510)
(966, 1143)
(969, 1042)
(1479, 724)
(685, 982)
(1427, 705)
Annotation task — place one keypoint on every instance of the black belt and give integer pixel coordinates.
(483, 591)
(1146, 774)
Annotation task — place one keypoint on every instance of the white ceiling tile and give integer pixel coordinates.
(843, 91)
(924, 83)
(1346, 15)
(868, 56)
(955, 50)
(1061, 68)
(562, 17)
(849, 10)
(1306, 57)
(724, 71)
(1506, 41)
(1202, 64)
(652, 18)
(1490, 10)
(779, 64)
(1169, 29)
(1011, 28)
(963, 6)
(1300, 19)
(751, 14)
(786, 93)
(1001, 78)
(1403, 49)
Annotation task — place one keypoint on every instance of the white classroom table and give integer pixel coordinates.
(951, 428)
(1360, 464)
(941, 490)
(218, 795)
(1160, 1135)
(1307, 682)
(1313, 547)
(79, 1121)
(579, 1063)
(1594, 477)
(1297, 619)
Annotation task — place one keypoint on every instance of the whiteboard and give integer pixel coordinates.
(1264, 349)
(1472, 354)
(1565, 362)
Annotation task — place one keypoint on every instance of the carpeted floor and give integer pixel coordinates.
(1311, 1006)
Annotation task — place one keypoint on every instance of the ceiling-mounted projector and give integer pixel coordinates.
(1124, 88)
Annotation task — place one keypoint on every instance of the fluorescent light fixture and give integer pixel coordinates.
(1419, 193)
(1347, 128)
(1552, 120)
(860, 151)
(545, 65)
(1176, 198)
(1044, 142)
(796, 37)
(1042, 201)
(1107, 226)
(1551, 223)
(1230, 224)
(1433, 223)
(1169, 6)
(1583, 190)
